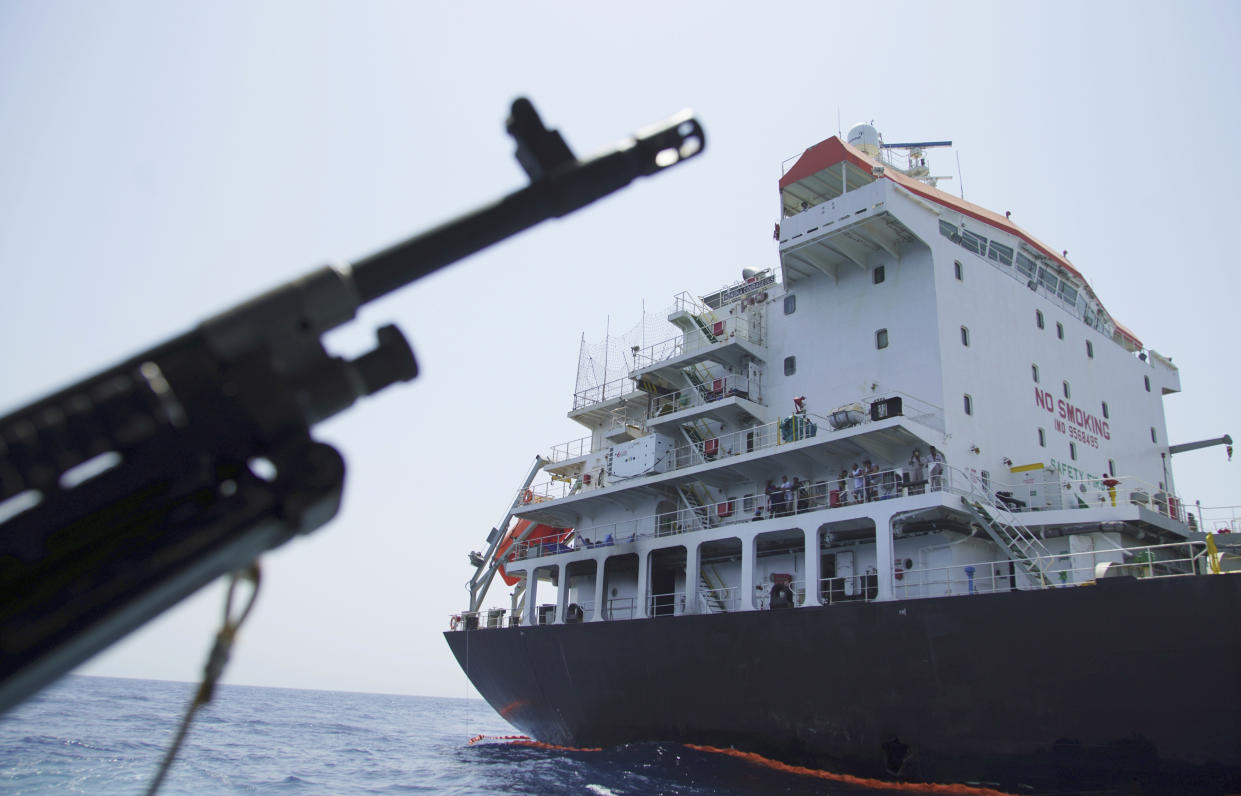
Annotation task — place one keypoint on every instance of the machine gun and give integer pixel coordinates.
(127, 492)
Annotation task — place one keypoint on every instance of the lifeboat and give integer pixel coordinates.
(552, 540)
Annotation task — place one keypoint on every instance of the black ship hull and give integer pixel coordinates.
(1097, 687)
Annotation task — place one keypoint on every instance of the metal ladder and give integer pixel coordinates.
(698, 432)
(1024, 548)
(696, 499)
(711, 595)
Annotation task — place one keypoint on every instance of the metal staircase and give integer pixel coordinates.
(707, 323)
(1024, 548)
(712, 596)
(695, 498)
(702, 439)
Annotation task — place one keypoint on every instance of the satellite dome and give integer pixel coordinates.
(864, 137)
(749, 273)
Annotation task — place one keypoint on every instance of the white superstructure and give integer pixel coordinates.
(726, 463)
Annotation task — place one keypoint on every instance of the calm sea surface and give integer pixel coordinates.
(103, 735)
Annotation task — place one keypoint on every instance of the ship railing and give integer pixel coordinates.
(688, 302)
(603, 392)
(1174, 559)
(793, 428)
(1074, 493)
(744, 327)
(667, 604)
(848, 589)
(718, 601)
(809, 496)
(621, 608)
(1219, 519)
(726, 386)
(571, 449)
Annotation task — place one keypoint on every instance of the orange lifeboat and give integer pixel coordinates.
(544, 535)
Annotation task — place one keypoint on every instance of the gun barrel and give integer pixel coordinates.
(569, 187)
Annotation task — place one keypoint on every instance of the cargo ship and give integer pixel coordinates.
(901, 505)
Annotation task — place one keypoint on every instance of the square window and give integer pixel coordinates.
(1042, 438)
(877, 275)
(958, 271)
(1034, 370)
(790, 304)
(1060, 330)
(1090, 349)
(790, 366)
(881, 338)
(969, 405)
(1038, 318)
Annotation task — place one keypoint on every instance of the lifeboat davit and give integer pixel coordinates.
(544, 535)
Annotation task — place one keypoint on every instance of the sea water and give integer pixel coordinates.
(102, 735)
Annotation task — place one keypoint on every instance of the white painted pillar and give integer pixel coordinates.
(601, 595)
(529, 613)
(644, 588)
(562, 600)
(813, 559)
(884, 558)
(693, 560)
(748, 548)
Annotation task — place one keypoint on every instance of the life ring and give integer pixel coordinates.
(527, 496)
(455, 622)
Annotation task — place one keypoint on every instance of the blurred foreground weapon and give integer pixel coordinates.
(127, 492)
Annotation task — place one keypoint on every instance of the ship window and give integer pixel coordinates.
(878, 274)
(974, 242)
(881, 338)
(1073, 451)
(1034, 370)
(790, 366)
(790, 304)
(1106, 414)
(949, 231)
(969, 404)
(965, 337)
(1068, 293)
(1066, 389)
(1048, 280)
(1090, 349)
(1154, 438)
(747, 504)
(1060, 330)
(958, 271)
(1038, 318)
(1026, 266)
(1111, 468)
(1147, 379)
(1042, 438)
(1000, 253)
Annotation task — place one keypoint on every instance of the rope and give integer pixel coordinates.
(214, 667)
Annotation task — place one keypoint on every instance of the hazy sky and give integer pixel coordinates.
(161, 161)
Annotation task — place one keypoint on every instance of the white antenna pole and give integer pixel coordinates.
(960, 180)
(838, 134)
